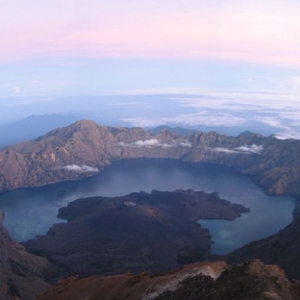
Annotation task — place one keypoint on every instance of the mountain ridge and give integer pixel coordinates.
(206, 281)
(85, 148)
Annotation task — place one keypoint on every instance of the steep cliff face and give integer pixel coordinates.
(207, 281)
(20, 272)
(84, 148)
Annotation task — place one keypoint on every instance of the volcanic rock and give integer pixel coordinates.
(139, 232)
(206, 281)
(249, 281)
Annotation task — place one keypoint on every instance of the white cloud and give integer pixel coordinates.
(252, 149)
(145, 122)
(224, 150)
(242, 100)
(278, 108)
(165, 145)
(122, 144)
(257, 149)
(183, 144)
(142, 143)
(152, 142)
(288, 135)
(80, 169)
(155, 143)
(193, 119)
(272, 122)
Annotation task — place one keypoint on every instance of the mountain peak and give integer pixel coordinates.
(84, 123)
(249, 134)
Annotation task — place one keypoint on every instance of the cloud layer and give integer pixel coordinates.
(261, 31)
(246, 149)
(155, 143)
(278, 111)
(257, 149)
(80, 169)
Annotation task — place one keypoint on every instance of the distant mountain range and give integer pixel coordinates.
(84, 148)
(32, 127)
(36, 125)
(175, 130)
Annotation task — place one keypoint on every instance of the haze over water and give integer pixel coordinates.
(31, 212)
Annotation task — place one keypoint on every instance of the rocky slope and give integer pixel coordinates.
(139, 232)
(249, 281)
(205, 281)
(137, 287)
(20, 272)
(84, 148)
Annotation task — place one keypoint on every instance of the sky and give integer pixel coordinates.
(193, 63)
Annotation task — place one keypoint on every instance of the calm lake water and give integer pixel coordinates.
(31, 212)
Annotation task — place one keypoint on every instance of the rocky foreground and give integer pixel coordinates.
(140, 232)
(84, 148)
(206, 281)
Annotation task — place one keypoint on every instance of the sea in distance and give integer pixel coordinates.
(32, 211)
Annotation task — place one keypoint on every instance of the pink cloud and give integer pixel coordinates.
(237, 32)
